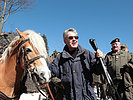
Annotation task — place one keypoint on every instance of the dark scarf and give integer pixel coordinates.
(73, 53)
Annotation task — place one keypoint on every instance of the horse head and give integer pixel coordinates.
(26, 52)
(34, 54)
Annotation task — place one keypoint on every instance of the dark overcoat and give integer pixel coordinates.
(76, 74)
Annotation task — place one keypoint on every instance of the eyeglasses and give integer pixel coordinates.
(71, 37)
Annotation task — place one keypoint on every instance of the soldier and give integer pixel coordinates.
(124, 47)
(128, 75)
(117, 62)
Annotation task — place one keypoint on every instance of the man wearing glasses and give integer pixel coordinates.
(74, 66)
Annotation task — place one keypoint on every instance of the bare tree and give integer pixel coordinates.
(8, 7)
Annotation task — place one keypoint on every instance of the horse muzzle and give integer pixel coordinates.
(40, 75)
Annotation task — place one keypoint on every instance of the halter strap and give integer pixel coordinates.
(27, 62)
(4, 97)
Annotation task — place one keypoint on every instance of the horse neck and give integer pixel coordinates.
(10, 74)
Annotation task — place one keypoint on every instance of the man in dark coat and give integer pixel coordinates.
(74, 66)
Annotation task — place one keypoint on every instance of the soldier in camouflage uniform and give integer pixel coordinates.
(124, 47)
(128, 75)
(117, 62)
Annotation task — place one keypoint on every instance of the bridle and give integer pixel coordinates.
(30, 71)
(27, 62)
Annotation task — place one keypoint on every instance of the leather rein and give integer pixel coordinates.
(27, 62)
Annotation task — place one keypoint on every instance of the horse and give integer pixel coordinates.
(26, 52)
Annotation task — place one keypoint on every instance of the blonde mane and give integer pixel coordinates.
(35, 39)
(37, 42)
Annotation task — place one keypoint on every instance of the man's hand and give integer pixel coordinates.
(99, 53)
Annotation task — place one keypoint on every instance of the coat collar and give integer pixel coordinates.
(65, 53)
(120, 52)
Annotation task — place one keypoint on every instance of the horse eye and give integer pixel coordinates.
(28, 50)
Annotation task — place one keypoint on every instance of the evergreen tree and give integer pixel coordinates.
(46, 43)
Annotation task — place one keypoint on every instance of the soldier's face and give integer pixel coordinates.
(71, 40)
(116, 46)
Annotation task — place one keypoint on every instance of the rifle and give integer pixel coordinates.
(110, 82)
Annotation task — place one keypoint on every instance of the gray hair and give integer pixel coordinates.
(68, 30)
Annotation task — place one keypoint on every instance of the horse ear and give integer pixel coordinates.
(21, 34)
(38, 33)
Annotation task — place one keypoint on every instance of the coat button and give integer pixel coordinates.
(73, 71)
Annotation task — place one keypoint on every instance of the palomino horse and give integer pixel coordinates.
(26, 52)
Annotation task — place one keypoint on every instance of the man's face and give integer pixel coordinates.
(71, 40)
(116, 46)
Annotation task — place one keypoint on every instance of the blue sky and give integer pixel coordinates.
(102, 20)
